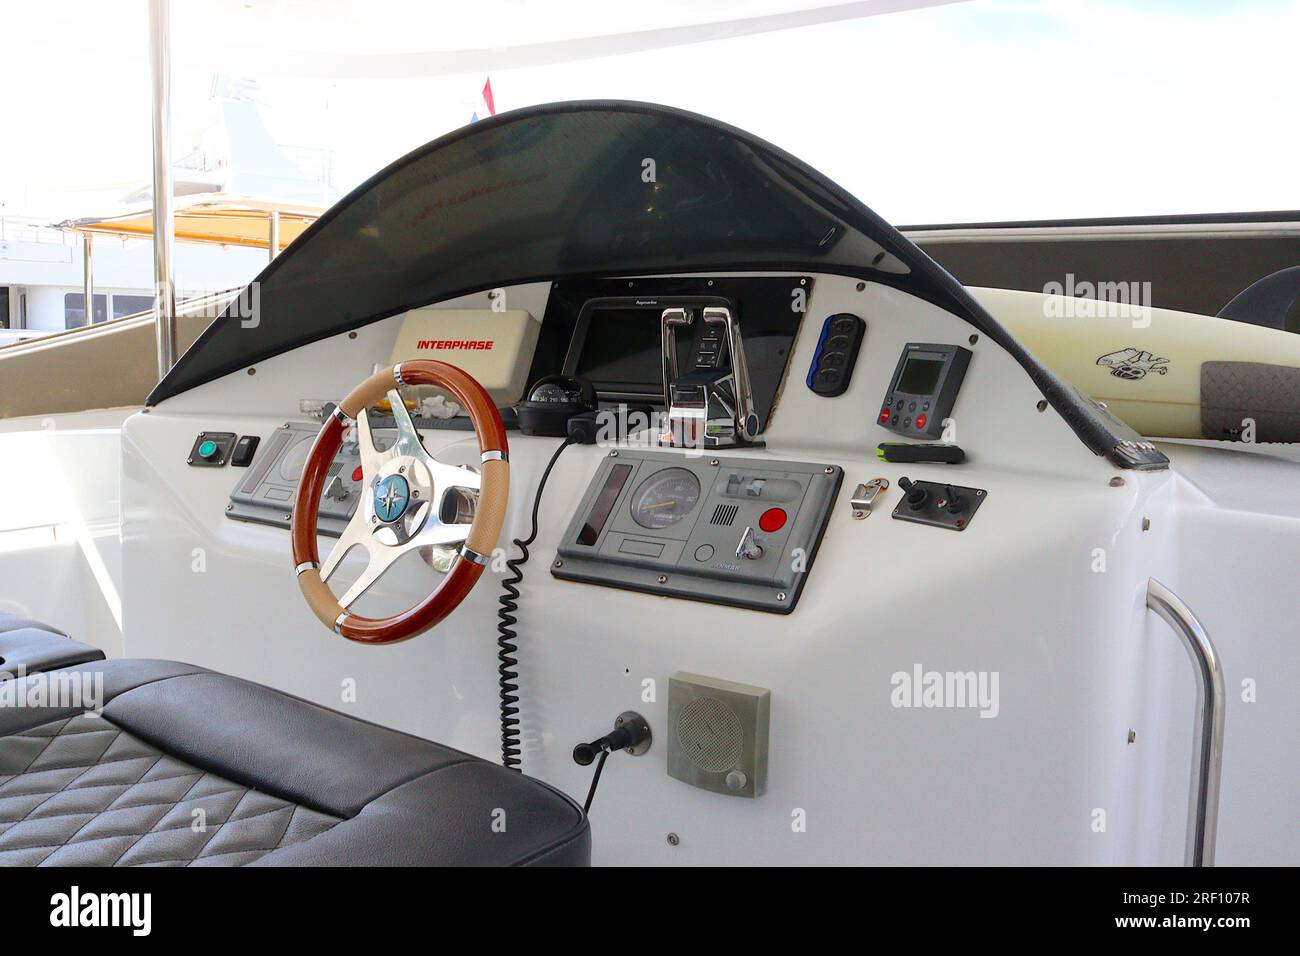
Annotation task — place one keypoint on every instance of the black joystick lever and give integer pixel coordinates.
(630, 733)
(916, 495)
(956, 504)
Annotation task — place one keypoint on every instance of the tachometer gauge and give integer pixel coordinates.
(665, 498)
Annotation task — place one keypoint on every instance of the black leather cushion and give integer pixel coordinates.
(28, 646)
(26, 649)
(279, 781)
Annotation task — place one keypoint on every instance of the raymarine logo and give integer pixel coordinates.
(956, 689)
(454, 344)
(72, 909)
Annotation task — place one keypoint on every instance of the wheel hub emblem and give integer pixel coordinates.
(391, 498)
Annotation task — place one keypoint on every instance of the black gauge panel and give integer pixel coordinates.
(665, 498)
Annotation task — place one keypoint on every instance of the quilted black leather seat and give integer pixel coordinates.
(28, 646)
(188, 767)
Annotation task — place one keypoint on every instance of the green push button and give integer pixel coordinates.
(207, 449)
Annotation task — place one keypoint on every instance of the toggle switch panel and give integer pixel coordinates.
(939, 504)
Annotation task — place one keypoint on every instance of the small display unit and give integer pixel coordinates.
(618, 347)
(924, 389)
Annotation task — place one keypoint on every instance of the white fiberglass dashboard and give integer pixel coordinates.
(1010, 595)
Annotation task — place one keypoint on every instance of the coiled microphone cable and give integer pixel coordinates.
(509, 600)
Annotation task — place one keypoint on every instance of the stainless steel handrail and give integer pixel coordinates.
(1207, 743)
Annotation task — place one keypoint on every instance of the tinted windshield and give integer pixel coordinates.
(544, 194)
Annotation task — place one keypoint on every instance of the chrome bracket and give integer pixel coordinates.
(865, 495)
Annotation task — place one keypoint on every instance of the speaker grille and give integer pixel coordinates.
(711, 734)
(724, 515)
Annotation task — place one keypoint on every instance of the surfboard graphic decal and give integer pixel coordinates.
(1133, 364)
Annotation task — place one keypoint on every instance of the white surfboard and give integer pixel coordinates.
(1145, 363)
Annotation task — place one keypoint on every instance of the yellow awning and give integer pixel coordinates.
(210, 217)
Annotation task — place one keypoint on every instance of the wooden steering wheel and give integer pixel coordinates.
(404, 503)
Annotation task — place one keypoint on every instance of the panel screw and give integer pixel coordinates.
(674, 839)
(1146, 524)
(252, 371)
(1117, 482)
(663, 579)
(859, 515)
(230, 507)
(780, 595)
(861, 286)
(559, 564)
(613, 454)
(830, 469)
(714, 462)
(352, 335)
(415, 493)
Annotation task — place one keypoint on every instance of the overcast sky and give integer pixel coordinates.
(982, 110)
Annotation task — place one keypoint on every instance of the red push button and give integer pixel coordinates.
(356, 473)
(920, 421)
(773, 519)
(884, 417)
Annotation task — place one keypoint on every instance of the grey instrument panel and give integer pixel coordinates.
(265, 494)
(729, 530)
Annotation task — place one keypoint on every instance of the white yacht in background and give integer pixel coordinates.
(234, 168)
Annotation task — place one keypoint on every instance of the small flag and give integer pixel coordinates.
(486, 101)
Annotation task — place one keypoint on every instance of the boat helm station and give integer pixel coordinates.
(691, 518)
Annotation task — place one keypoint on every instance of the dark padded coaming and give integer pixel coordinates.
(401, 800)
(29, 649)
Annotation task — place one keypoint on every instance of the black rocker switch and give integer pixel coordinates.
(245, 448)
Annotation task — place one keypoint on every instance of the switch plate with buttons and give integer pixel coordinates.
(211, 449)
(836, 354)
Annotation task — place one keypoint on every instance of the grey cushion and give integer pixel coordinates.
(279, 781)
(14, 622)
